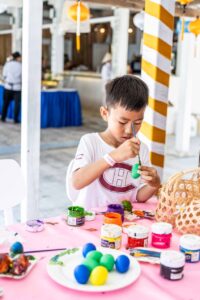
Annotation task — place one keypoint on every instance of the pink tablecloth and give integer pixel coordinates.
(39, 286)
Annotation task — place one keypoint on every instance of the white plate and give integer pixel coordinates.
(69, 259)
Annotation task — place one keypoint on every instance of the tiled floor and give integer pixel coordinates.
(58, 146)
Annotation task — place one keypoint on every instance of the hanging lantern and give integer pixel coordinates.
(184, 3)
(138, 20)
(84, 12)
(194, 27)
(78, 12)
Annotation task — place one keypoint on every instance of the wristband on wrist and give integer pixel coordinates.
(109, 160)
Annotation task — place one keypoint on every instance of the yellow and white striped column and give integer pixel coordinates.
(156, 62)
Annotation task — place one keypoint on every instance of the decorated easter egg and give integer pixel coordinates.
(82, 274)
(122, 263)
(90, 263)
(107, 260)
(16, 248)
(134, 171)
(96, 255)
(99, 275)
(87, 248)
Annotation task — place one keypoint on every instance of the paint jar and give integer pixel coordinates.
(161, 235)
(172, 264)
(190, 246)
(112, 218)
(75, 216)
(117, 208)
(137, 236)
(111, 236)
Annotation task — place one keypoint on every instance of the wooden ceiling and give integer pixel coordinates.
(192, 10)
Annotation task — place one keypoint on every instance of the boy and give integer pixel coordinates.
(100, 174)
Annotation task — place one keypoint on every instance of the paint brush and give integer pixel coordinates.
(134, 134)
(139, 252)
(44, 250)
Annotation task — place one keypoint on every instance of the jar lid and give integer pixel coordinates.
(111, 230)
(190, 241)
(34, 225)
(172, 259)
(161, 228)
(138, 231)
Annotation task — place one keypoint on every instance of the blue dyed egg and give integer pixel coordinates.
(16, 248)
(82, 274)
(122, 263)
(87, 248)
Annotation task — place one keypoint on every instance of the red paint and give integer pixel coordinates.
(137, 242)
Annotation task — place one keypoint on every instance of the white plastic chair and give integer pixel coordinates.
(72, 194)
(12, 188)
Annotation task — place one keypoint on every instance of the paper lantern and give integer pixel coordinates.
(78, 12)
(84, 12)
(194, 27)
(138, 20)
(184, 3)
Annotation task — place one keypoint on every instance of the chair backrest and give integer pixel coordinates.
(72, 194)
(12, 188)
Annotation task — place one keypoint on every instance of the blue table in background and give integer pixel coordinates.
(59, 108)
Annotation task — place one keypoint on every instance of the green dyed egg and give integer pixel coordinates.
(134, 172)
(90, 263)
(107, 261)
(96, 255)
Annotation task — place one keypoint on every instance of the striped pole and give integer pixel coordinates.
(156, 62)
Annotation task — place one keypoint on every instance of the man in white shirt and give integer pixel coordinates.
(12, 75)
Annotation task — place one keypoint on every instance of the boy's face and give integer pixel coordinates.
(119, 123)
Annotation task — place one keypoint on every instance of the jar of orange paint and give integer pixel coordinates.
(112, 218)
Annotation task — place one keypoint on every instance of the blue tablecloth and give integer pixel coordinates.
(59, 108)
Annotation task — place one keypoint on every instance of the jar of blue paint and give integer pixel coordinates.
(190, 246)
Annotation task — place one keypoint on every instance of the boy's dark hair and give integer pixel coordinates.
(127, 91)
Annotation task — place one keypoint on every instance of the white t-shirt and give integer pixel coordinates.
(114, 185)
(106, 72)
(12, 75)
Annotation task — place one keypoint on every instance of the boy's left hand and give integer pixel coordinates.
(150, 176)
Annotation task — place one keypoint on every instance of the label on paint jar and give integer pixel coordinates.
(190, 246)
(75, 221)
(176, 276)
(111, 236)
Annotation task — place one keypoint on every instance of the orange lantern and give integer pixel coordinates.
(78, 12)
(194, 27)
(184, 3)
(84, 12)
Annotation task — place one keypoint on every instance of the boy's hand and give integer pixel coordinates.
(150, 176)
(130, 148)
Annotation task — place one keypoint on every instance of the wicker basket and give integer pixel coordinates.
(179, 202)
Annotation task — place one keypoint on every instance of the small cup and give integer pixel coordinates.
(112, 218)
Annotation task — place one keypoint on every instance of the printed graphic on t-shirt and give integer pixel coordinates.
(117, 178)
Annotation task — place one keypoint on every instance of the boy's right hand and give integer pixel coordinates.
(129, 149)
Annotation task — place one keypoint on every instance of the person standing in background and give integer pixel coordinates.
(12, 76)
(106, 72)
(106, 68)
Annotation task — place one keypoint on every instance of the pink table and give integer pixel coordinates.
(149, 286)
